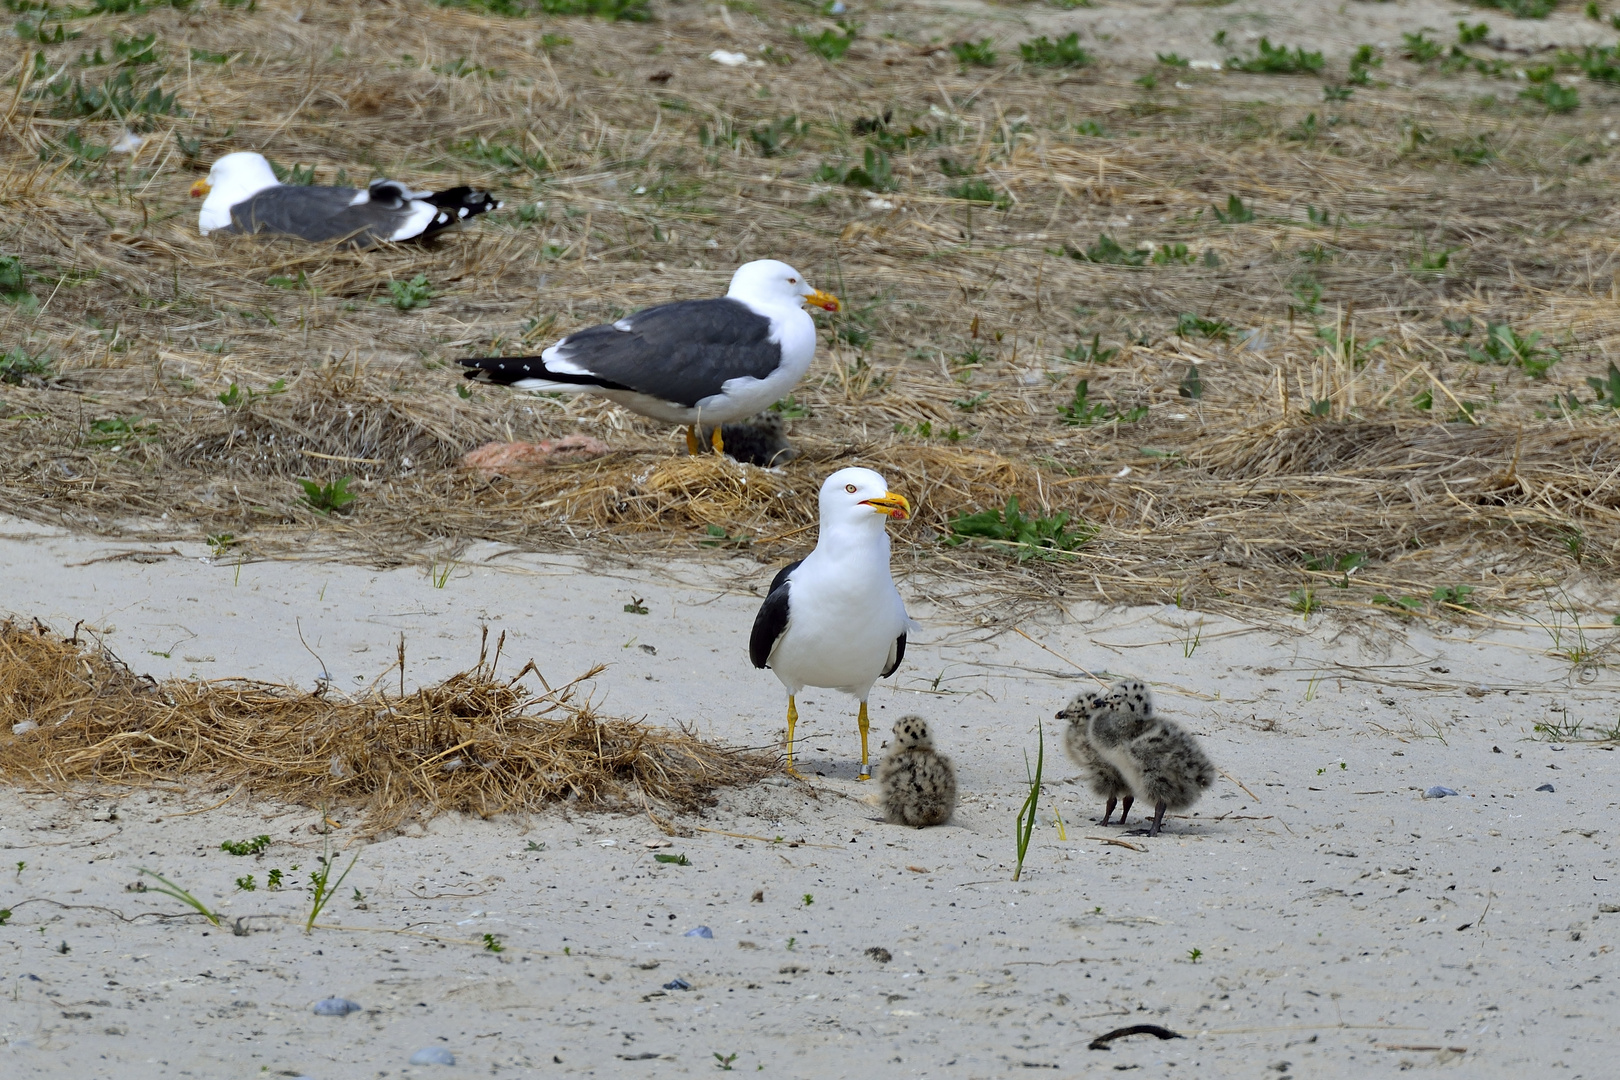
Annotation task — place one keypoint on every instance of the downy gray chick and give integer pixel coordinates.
(916, 784)
(1103, 779)
(759, 440)
(1159, 760)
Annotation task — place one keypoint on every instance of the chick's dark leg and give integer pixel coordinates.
(1108, 811)
(1158, 819)
(1125, 808)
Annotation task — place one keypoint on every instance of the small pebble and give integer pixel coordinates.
(699, 931)
(838, 8)
(433, 1055)
(1545, 787)
(336, 1006)
(677, 984)
(1438, 792)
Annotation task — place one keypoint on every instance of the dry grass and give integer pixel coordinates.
(475, 742)
(948, 368)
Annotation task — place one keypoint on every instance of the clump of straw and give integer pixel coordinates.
(473, 743)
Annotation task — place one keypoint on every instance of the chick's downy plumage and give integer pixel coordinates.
(916, 783)
(1103, 779)
(1159, 760)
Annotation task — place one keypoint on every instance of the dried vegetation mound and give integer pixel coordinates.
(473, 743)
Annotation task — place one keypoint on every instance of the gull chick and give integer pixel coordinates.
(916, 783)
(1103, 779)
(1159, 761)
(834, 618)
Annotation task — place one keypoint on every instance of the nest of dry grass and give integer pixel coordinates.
(1348, 402)
(474, 743)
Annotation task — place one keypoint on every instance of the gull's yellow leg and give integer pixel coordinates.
(793, 718)
(692, 443)
(717, 442)
(866, 773)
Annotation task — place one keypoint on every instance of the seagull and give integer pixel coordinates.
(834, 618)
(242, 195)
(691, 362)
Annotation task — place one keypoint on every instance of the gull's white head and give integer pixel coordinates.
(234, 178)
(856, 496)
(769, 283)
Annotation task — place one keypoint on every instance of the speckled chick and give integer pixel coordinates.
(916, 783)
(1159, 760)
(1103, 779)
(759, 440)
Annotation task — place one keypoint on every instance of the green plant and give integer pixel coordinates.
(1593, 11)
(1608, 387)
(321, 886)
(235, 397)
(1064, 52)
(14, 281)
(440, 575)
(970, 403)
(792, 941)
(772, 139)
(1192, 384)
(718, 537)
(1277, 60)
(1091, 129)
(272, 880)
(332, 498)
(1503, 345)
(807, 900)
(1304, 601)
(1236, 213)
(1171, 255)
(1420, 48)
(673, 860)
(979, 53)
(1556, 98)
(246, 847)
(5, 916)
(791, 409)
(1454, 596)
(1081, 411)
(246, 883)
(1093, 353)
(876, 173)
(1194, 955)
(1521, 9)
(1337, 93)
(1009, 530)
(415, 293)
(1025, 827)
(980, 192)
(1108, 251)
(1362, 61)
(1188, 324)
(829, 44)
(15, 367)
(1468, 35)
(635, 606)
(169, 888)
(1401, 604)
(492, 944)
(725, 1062)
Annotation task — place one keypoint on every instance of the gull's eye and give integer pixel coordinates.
(850, 488)
(793, 281)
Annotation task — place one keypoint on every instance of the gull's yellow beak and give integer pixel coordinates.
(891, 504)
(822, 300)
(200, 188)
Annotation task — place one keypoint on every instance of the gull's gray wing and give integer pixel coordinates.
(319, 214)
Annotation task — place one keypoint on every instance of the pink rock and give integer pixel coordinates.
(496, 456)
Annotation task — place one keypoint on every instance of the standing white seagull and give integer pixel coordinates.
(834, 618)
(691, 362)
(242, 195)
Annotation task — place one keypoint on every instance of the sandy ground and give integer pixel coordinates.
(1325, 922)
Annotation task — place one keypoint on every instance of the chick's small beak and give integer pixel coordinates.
(822, 300)
(889, 503)
(200, 188)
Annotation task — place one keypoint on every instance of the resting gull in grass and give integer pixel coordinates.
(243, 196)
(692, 362)
(834, 618)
